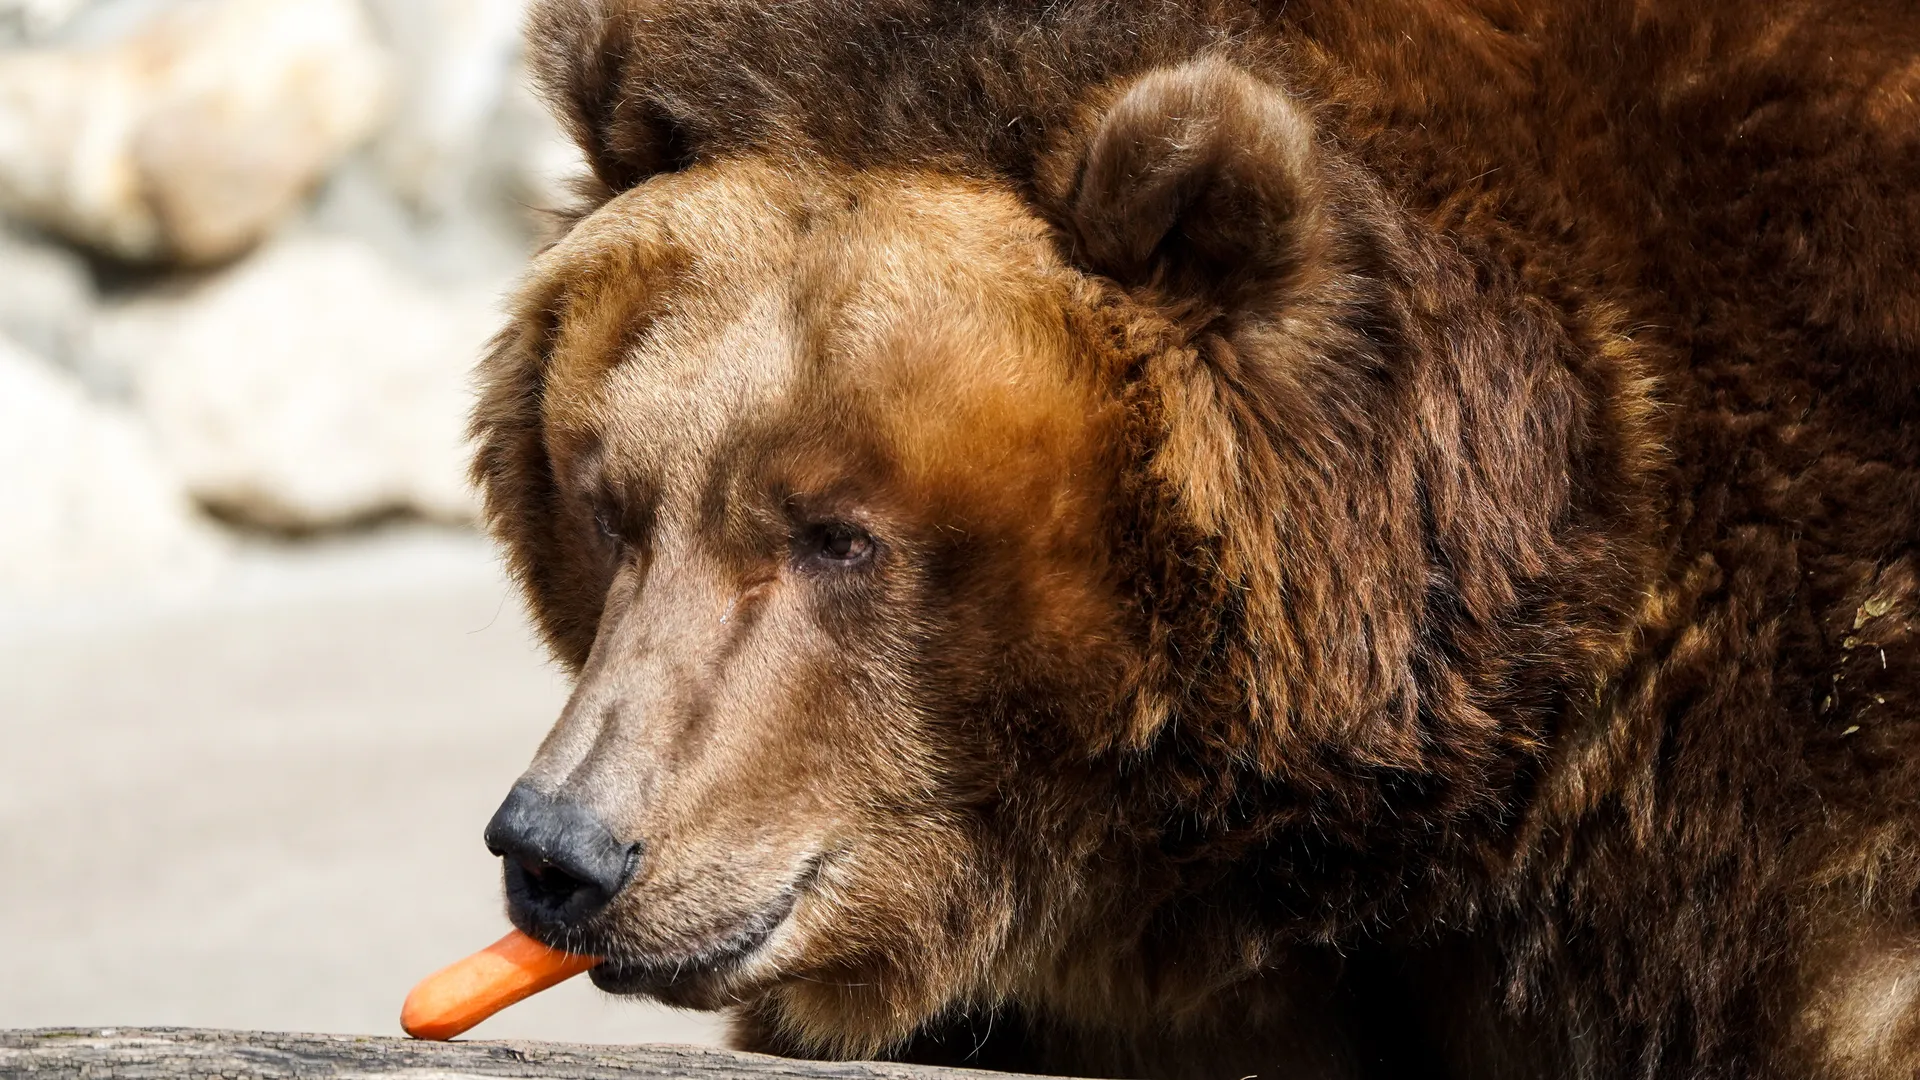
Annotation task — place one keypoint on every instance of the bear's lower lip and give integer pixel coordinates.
(707, 962)
(681, 987)
(683, 977)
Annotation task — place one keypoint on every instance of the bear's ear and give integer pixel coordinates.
(583, 58)
(1201, 174)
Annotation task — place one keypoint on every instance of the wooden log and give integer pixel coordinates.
(175, 1053)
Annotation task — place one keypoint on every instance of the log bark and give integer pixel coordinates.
(174, 1053)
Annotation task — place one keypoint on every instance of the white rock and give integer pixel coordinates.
(47, 297)
(88, 504)
(95, 22)
(192, 138)
(456, 183)
(34, 20)
(311, 386)
(456, 60)
(539, 162)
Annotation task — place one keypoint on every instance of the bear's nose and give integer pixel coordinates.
(562, 863)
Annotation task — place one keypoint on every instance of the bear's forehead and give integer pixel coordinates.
(917, 315)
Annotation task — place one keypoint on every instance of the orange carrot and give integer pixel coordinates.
(458, 996)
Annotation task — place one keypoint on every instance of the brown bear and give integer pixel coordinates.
(1325, 539)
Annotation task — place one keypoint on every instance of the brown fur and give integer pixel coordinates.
(1394, 528)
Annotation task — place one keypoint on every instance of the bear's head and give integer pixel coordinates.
(958, 569)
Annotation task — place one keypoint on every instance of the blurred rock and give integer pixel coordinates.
(88, 504)
(481, 243)
(48, 296)
(76, 22)
(455, 60)
(310, 386)
(457, 183)
(537, 161)
(34, 20)
(189, 140)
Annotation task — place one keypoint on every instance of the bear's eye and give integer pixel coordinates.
(840, 542)
(603, 519)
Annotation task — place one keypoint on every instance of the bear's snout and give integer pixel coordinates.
(563, 864)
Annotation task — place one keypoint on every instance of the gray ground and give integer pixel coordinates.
(259, 805)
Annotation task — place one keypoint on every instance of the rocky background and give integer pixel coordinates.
(250, 250)
(261, 682)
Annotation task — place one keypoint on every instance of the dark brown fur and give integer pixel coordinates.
(1398, 527)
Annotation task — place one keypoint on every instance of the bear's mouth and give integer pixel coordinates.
(710, 962)
(689, 975)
